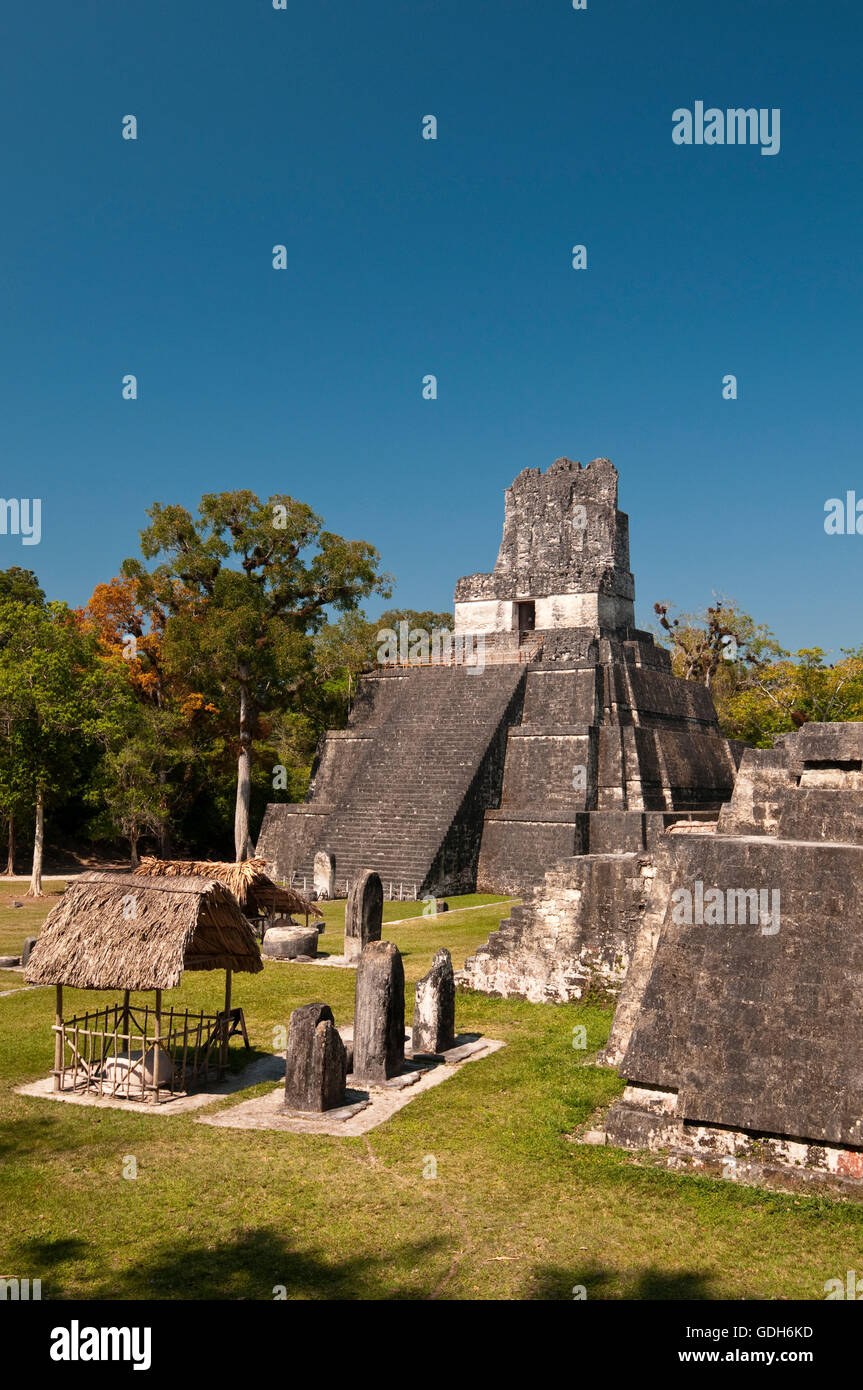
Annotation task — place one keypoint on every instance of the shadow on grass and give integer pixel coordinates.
(253, 1265)
(53, 1252)
(24, 1135)
(648, 1285)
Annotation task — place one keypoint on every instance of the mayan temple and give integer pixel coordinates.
(541, 755)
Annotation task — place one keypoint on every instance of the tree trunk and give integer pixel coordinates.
(133, 845)
(244, 772)
(35, 889)
(164, 832)
(10, 860)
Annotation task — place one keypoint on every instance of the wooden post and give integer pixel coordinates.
(223, 1060)
(58, 1037)
(157, 1042)
(125, 1028)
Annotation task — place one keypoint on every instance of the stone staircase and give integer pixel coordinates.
(403, 789)
(572, 934)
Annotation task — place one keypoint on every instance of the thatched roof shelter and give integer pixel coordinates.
(92, 940)
(249, 882)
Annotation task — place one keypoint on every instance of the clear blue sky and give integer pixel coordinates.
(407, 256)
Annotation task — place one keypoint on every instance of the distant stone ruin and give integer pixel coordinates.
(572, 737)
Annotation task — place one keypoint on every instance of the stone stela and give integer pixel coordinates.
(379, 1014)
(363, 913)
(434, 1007)
(315, 1061)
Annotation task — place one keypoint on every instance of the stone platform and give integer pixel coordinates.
(368, 1106)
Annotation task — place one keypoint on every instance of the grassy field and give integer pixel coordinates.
(517, 1209)
(17, 923)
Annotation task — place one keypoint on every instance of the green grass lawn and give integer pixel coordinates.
(17, 923)
(517, 1210)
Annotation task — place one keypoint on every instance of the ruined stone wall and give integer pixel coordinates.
(739, 1036)
(582, 925)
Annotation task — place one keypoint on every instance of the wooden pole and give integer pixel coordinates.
(223, 1061)
(157, 1042)
(125, 1028)
(58, 1037)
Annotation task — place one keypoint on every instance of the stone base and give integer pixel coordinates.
(645, 1119)
(368, 1106)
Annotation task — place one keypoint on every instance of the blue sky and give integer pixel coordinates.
(451, 257)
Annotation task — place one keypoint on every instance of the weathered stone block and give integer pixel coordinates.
(434, 1007)
(379, 1013)
(316, 1062)
(286, 943)
(325, 875)
(364, 913)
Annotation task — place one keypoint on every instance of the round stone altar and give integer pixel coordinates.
(287, 943)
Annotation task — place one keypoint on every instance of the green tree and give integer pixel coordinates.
(785, 694)
(49, 703)
(243, 589)
(129, 787)
(21, 586)
(722, 637)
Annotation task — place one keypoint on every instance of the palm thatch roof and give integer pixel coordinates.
(92, 940)
(249, 882)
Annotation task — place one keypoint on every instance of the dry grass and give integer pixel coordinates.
(248, 881)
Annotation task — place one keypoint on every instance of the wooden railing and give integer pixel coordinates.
(136, 1054)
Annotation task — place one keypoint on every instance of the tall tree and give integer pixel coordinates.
(50, 703)
(22, 586)
(128, 788)
(244, 587)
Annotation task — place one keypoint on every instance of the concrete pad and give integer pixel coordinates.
(269, 1068)
(368, 1106)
